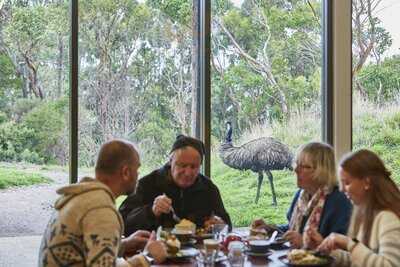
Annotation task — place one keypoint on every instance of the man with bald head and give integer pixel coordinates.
(86, 228)
(177, 186)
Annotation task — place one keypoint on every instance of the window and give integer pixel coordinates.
(34, 45)
(135, 77)
(266, 82)
(376, 79)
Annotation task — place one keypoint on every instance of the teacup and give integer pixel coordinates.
(211, 245)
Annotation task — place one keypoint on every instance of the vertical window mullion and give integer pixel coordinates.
(327, 74)
(73, 97)
(205, 80)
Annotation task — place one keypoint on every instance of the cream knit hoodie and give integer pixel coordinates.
(85, 229)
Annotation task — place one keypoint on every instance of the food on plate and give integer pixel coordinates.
(258, 233)
(173, 244)
(304, 257)
(201, 231)
(185, 225)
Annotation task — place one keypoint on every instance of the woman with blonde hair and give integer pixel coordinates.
(318, 208)
(374, 233)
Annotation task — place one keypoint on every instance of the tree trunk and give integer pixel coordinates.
(60, 66)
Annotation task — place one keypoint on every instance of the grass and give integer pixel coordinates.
(10, 177)
(238, 190)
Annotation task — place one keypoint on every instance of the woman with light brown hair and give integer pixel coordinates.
(374, 235)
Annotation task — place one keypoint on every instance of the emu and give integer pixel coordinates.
(259, 155)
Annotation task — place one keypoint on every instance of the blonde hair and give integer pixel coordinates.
(383, 193)
(321, 157)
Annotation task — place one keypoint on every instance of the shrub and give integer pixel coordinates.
(14, 139)
(48, 122)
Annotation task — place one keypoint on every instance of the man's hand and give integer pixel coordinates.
(334, 241)
(135, 242)
(211, 221)
(295, 239)
(162, 204)
(156, 249)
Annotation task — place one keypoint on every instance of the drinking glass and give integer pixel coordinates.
(219, 231)
(236, 256)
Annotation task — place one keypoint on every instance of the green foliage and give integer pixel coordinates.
(48, 123)
(14, 140)
(382, 81)
(179, 11)
(155, 139)
(9, 82)
(29, 24)
(380, 134)
(10, 177)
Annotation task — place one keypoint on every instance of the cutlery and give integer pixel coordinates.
(174, 216)
(158, 233)
(273, 236)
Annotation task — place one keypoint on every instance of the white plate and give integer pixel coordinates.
(184, 253)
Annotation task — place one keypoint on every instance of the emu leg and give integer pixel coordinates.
(271, 182)
(260, 179)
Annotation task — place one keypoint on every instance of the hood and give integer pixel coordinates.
(85, 185)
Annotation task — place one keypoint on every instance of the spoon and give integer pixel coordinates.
(273, 236)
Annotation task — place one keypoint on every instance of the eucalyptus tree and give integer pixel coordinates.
(370, 39)
(262, 50)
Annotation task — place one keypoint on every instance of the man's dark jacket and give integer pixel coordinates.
(196, 203)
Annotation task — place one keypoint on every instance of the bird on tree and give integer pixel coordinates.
(259, 155)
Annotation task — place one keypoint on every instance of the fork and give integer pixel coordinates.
(174, 216)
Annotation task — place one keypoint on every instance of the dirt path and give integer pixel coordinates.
(26, 210)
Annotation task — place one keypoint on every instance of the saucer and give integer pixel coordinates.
(184, 253)
(190, 242)
(254, 254)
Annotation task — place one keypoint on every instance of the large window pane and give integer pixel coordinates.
(376, 79)
(34, 45)
(266, 81)
(135, 76)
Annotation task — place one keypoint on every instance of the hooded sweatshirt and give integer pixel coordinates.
(85, 229)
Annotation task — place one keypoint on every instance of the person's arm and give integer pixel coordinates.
(219, 208)
(385, 237)
(101, 229)
(137, 212)
(388, 235)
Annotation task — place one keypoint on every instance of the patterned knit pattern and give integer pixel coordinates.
(85, 229)
(383, 249)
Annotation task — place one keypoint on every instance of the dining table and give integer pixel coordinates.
(271, 260)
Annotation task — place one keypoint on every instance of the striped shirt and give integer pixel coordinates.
(383, 249)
